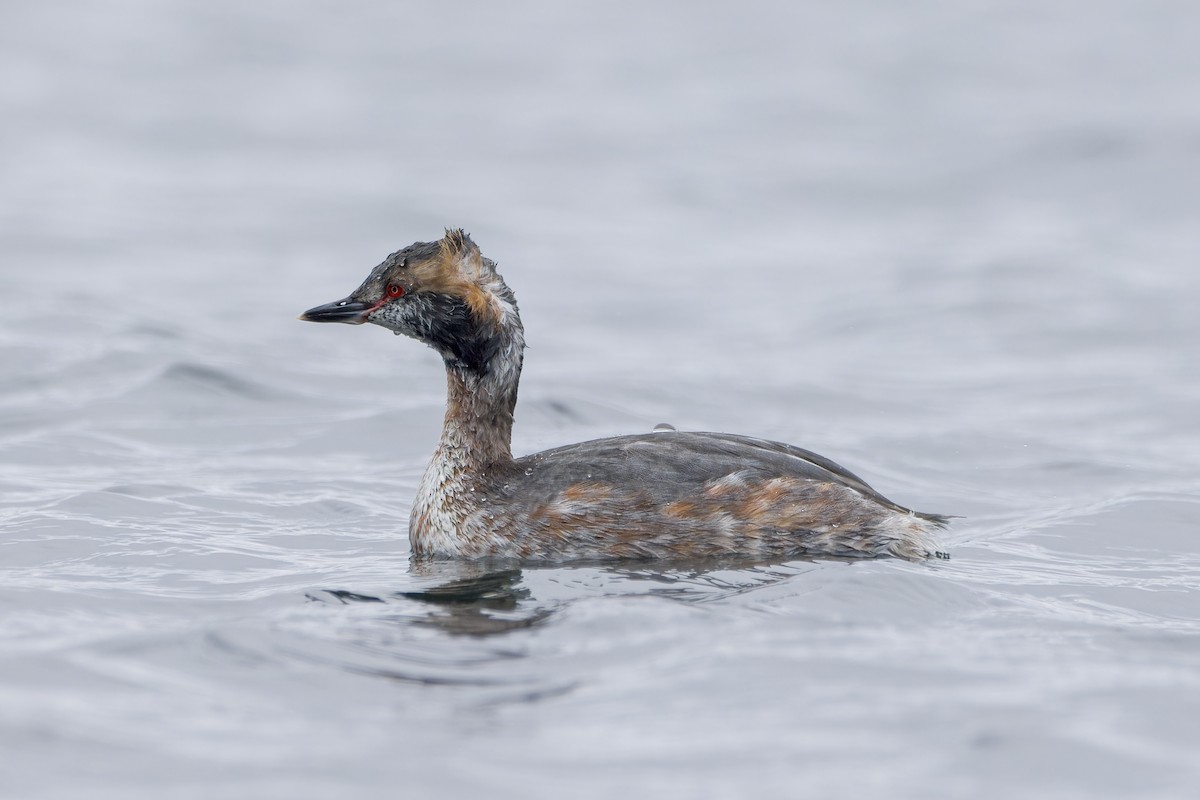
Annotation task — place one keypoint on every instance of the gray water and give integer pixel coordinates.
(951, 245)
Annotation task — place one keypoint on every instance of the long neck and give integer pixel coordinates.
(477, 432)
(483, 369)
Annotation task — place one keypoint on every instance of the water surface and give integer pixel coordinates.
(950, 247)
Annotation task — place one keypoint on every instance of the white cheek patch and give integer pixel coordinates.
(390, 316)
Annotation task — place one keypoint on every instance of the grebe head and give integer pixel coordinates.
(443, 293)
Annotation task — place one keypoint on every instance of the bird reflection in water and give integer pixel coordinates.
(470, 599)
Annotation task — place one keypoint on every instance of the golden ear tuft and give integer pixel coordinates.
(457, 242)
(461, 271)
(458, 249)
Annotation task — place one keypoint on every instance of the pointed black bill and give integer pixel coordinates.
(349, 311)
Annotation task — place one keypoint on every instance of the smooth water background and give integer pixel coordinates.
(951, 245)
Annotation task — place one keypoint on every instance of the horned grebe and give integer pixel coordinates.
(666, 494)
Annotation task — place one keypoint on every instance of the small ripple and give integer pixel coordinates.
(193, 376)
(402, 640)
(149, 491)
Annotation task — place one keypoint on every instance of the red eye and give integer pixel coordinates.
(395, 290)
